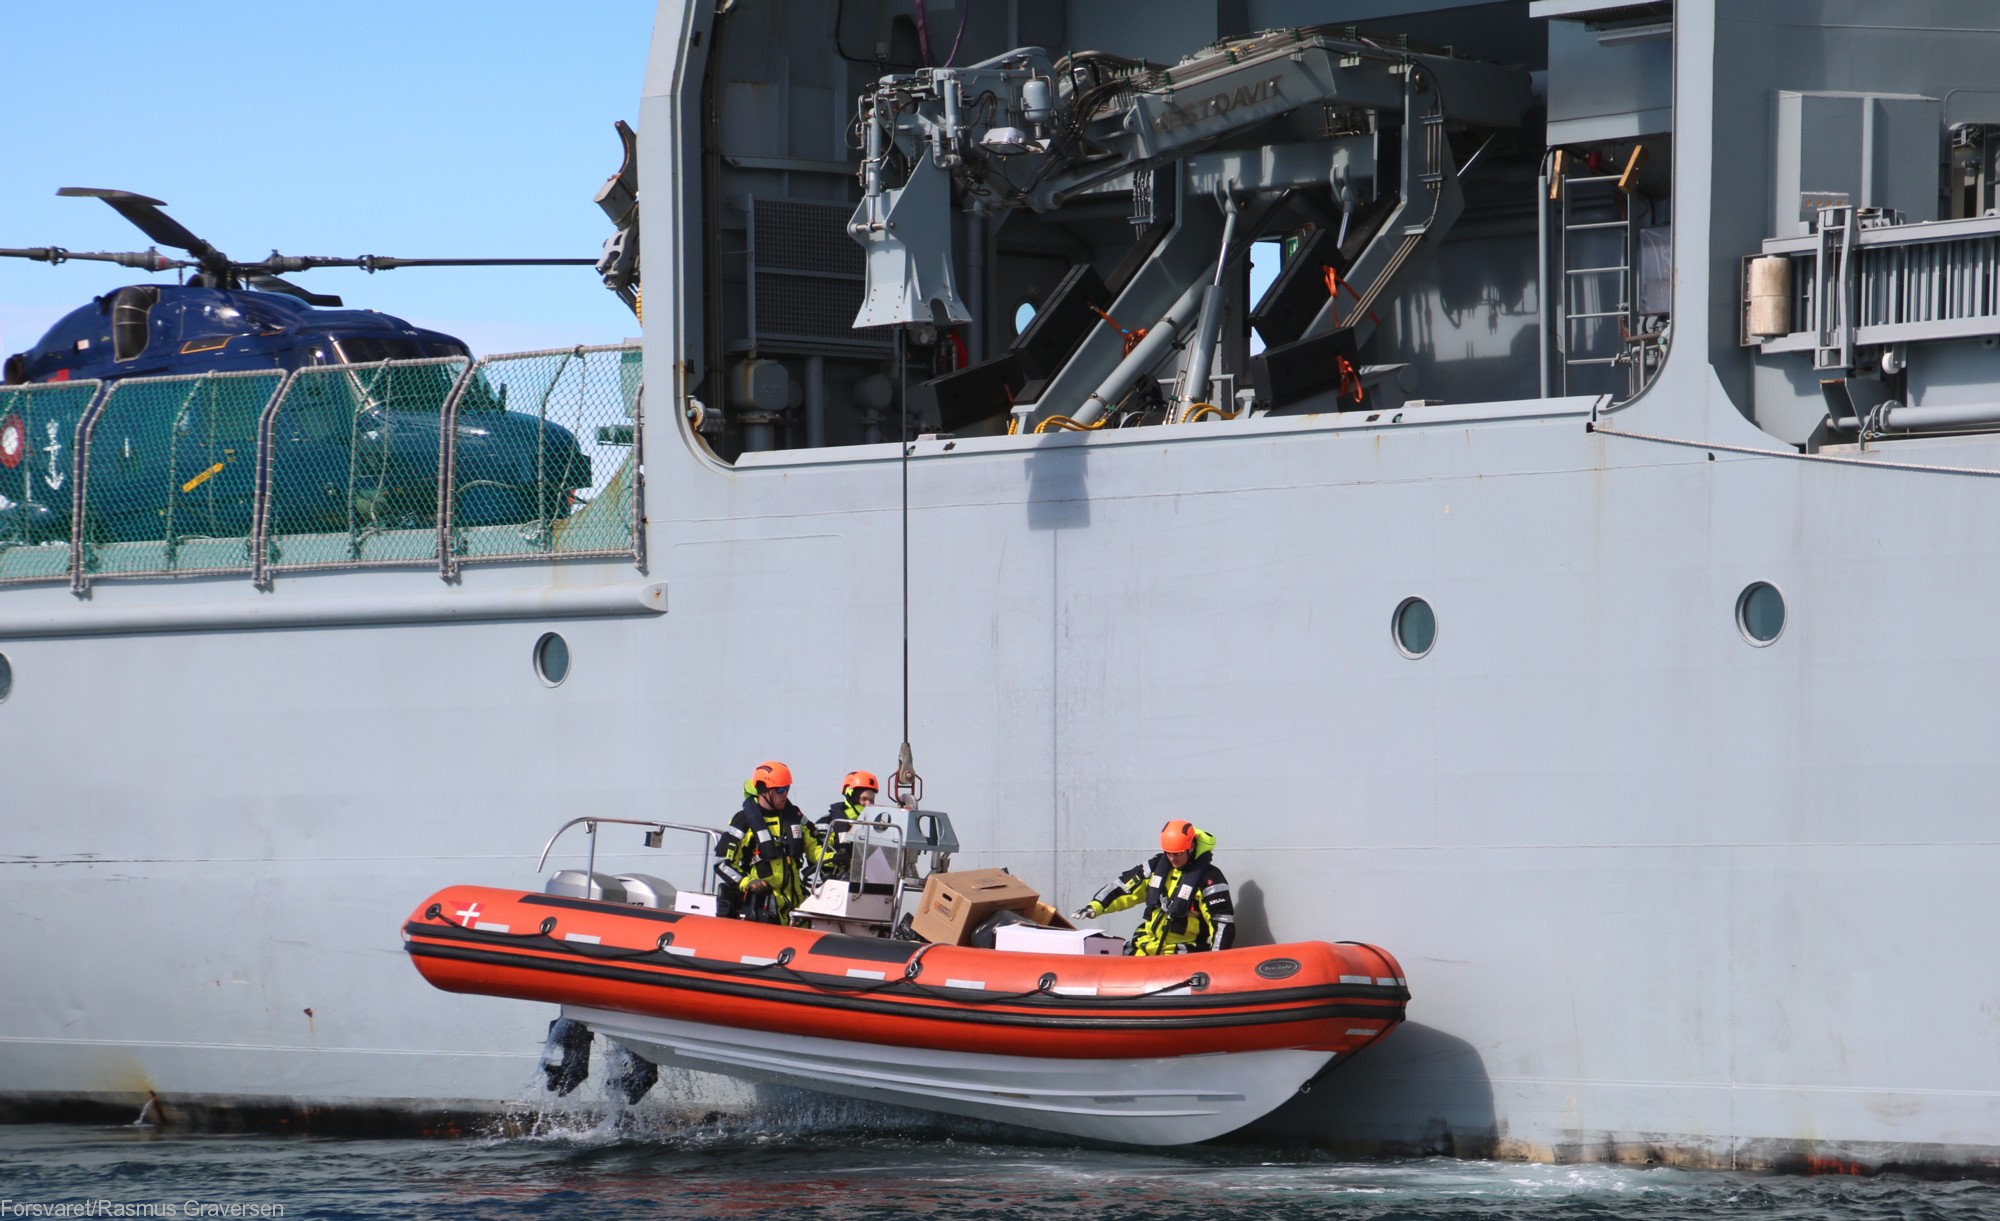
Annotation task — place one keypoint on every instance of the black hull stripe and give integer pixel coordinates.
(1206, 1000)
(602, 907)
(560, 968)
(864, 949)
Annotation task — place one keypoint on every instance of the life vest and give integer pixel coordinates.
(773, 847)
(1187, 909)
(1177, 912)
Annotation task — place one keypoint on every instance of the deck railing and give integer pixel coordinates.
(430, 463)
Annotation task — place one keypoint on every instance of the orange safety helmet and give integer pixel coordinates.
(771, 774)
(859, 780)
(1177, 836)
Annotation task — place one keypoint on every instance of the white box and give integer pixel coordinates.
(832, 898)
(1034, 939)
(693, 904)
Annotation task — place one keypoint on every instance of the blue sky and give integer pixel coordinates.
(431, 129)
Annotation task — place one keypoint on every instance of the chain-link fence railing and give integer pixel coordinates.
(545, 458)
(170, 474)
(535, 455)
(38, 477)
(353, 464)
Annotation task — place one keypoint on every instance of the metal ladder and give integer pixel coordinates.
(1603, 290)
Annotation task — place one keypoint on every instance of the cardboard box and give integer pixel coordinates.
(1048, 917)
(954, 904)
(1034, 939)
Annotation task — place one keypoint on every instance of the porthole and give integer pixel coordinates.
(1760, 613)
(1024, 313)
(551, 659)
(1415, 626)
(6, 678)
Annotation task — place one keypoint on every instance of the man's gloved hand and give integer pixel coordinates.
(1087, 912)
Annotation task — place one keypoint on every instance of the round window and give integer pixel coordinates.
(551, 659)
(1023, 315)
(1760, 613)
(1415, 627)
(6, 678)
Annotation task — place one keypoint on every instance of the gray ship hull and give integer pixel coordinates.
(1662, 893)
(1649, 901)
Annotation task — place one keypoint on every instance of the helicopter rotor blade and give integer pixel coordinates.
(381, 262)
(274, 284)
(142, 260)
(218, 270)
(40, 254)
(144, 212)
(377, 262)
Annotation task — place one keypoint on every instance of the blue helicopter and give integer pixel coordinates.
(231, 316)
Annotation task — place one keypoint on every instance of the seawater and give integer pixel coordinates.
(837, 1161)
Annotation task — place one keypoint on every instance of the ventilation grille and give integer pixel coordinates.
(807, 279)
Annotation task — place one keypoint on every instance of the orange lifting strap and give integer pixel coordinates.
(1132, 338)
(1350, 379)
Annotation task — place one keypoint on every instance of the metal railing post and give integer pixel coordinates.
(260, 512)
(447, 458)
(86, 428)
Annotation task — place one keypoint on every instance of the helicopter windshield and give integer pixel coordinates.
(422, 388)
(371, 349)
(397, 386)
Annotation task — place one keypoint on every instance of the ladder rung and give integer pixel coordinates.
(1594, 360)
(1616, 313)
(1592, 271)
(1592, 178)
(1596, 224)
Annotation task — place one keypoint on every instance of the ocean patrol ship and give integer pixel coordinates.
(1571, 571)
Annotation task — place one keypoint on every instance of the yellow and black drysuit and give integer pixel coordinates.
(772, 846)
(1187, 909)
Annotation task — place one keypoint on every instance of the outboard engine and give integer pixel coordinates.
(566, 1056)
(629, 1073)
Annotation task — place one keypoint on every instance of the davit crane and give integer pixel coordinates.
(1364, 129)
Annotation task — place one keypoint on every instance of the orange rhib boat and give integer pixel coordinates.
(1311, 995)
(1158, 1050)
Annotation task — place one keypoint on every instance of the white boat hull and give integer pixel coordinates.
(1171, 1101)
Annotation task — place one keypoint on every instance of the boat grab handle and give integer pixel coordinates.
(590, 822)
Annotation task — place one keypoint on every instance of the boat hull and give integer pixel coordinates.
(1157, 1100)
(1143, 1050)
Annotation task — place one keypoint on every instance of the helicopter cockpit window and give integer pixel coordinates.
(131, 311)
(399, 387)
(369, 349)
